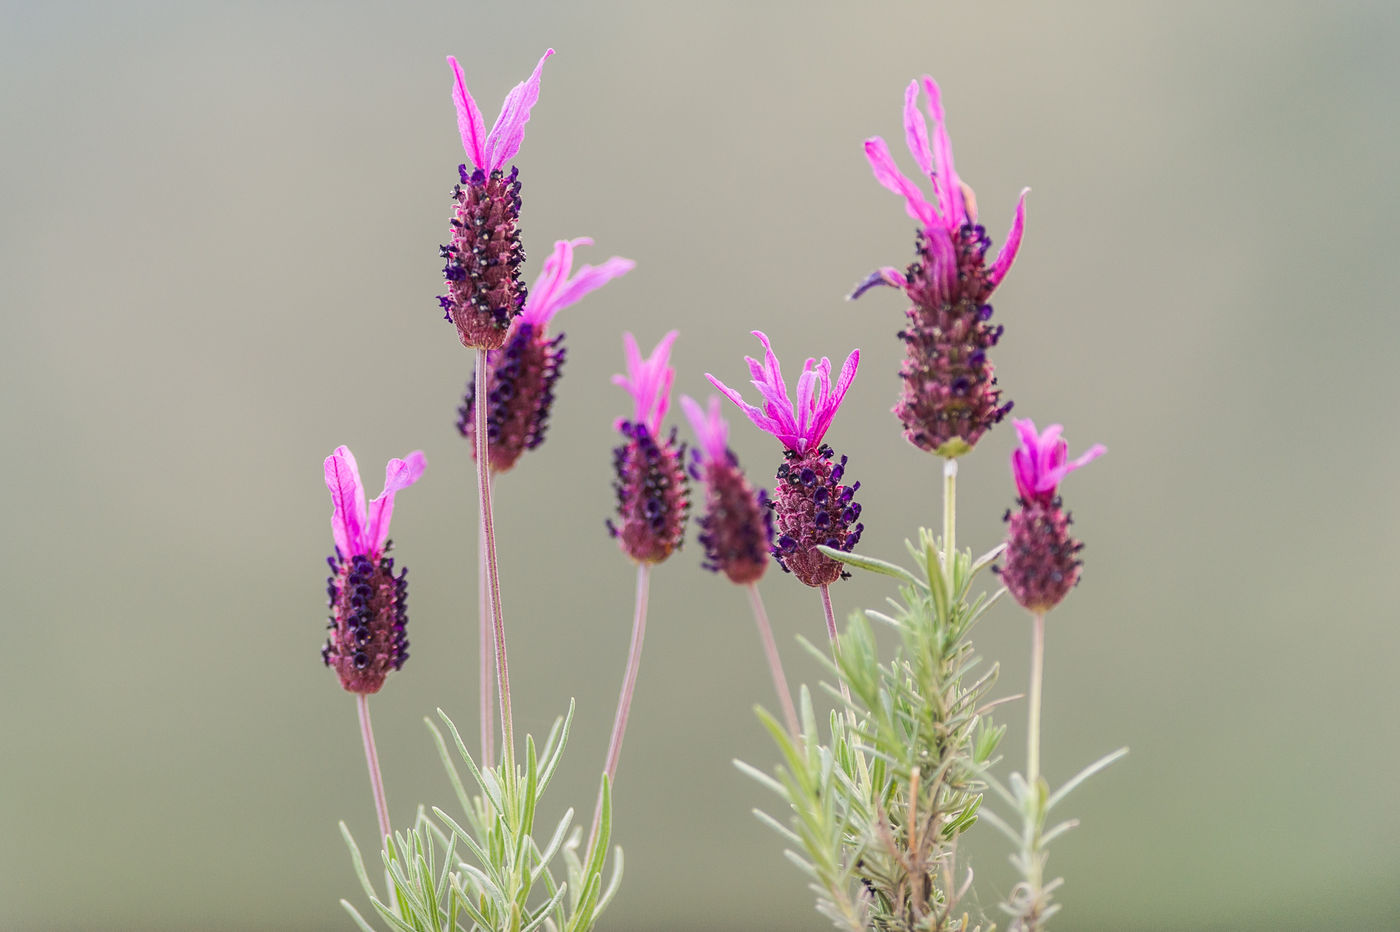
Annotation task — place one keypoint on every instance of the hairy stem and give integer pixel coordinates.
(950, 518)
(376, 781)
(486, 676)
(493, 579)
(624, 700)
(775, 663)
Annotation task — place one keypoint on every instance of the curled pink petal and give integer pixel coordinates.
(885, 275)
(1002, 265)
(347, 502)
(916, 130)
(469, 121)
(946, 184)
(877, 153)
(799, 426)
(505, 137)
(711, 429)
(398, 475)
(648, 380)
(1038, 465)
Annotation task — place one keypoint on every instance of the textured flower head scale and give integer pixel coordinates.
(521, 376)
(950, 396)
(737, 527)
(1042, 559)
(369, 604)
(653, 498)
(811, 506)
(484, 288)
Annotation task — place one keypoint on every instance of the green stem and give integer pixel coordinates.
(1037, 681)
(493, 578)
(950, 519)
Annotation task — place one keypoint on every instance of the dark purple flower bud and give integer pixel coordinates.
(368, 602)
(809, 515)
(950, 398)
(522, 374)
(810, 506)
(484, 289)
(1042, 560)
(737, 527)
(653, 496)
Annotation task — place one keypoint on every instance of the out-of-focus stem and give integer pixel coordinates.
(624, 700)
(830, 618)
(376, 781)
(775, 663)
(486, 676)
(950, 519)
(1037, 681)
(493, 580)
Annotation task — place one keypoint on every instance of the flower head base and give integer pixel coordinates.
(737, 527)
(484, 288)
(801, 425)
(1042, 559)
(950, 396)
(522, 374)
(653, 498)
(810, 505)
(369, 604)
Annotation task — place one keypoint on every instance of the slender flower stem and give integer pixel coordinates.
(486, 676)
(624, 700)
(376, 781)
(775, 663)
(493, 579)
(830, 618)
(1037, 681)
(950, 518)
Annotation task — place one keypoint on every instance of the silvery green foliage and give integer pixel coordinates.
(1031, 901)
(484, 870)
(876, 810)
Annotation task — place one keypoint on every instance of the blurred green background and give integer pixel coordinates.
(218, 249)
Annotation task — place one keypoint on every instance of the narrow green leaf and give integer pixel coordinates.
(869, 563)
(357, 861)
(1083, 775)
(355, 914)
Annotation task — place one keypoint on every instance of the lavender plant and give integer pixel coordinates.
(877, 790)
(491, 864)
(877, 800)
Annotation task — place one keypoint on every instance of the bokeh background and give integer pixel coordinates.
(218, 249)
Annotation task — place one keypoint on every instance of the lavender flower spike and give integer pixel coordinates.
(737, 528)
(950, 396)
(484, 289)
(368, 602)
(653, 499)
(1042, 559)
(522, 374)
(810, 504)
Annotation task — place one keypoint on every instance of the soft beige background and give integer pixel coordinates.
(218, 231)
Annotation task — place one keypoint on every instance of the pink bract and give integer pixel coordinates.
(953, 205)
(801, 424)
(490, 151)
(1039, 464)
(711, 429)
(359, 530)
(648, 381)
(556, 288)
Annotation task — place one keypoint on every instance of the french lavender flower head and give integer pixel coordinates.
(521, 375)
(653, 498)
(1042, 560)
(484, 289)
(369, 604)
(811, 505)
(950, 397)
(737, 528)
